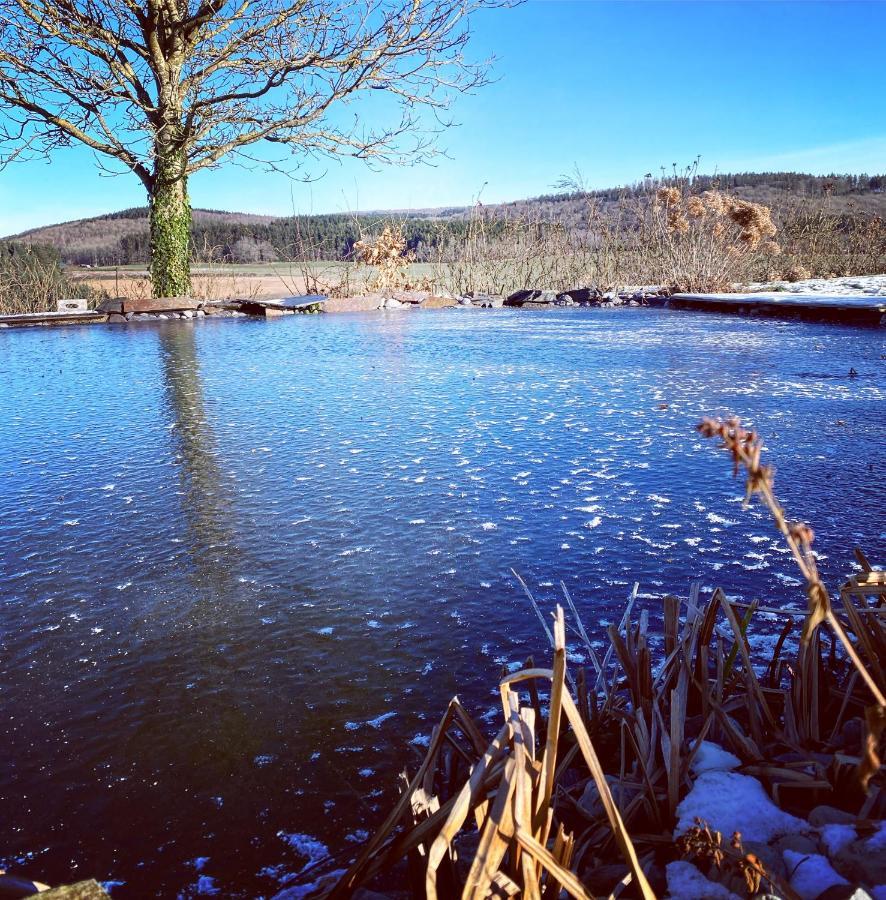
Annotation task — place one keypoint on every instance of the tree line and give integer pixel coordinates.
(122, 238)
(225, 239)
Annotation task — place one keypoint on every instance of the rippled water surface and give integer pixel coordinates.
(245, 564)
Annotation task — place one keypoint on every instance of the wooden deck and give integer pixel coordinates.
(67, 317)
(858, 309)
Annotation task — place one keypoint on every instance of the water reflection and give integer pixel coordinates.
(196, 654)
(206, 502)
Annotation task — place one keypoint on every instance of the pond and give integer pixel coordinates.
(246, 563)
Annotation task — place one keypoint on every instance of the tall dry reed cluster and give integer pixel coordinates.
(673, 239)
(820, 243)
(579, 789)
(704, 242)
(498, 254)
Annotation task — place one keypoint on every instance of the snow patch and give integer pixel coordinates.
(836, 837)
(687, 883)
(730, 802)
(712, 757)
(811, 874)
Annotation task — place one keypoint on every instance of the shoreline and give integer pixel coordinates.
(859, 300)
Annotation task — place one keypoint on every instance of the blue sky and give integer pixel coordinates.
(617, 89)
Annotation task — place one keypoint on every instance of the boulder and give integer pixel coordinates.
(532, 297)
(518, 298)
(590, 800)
(861, 864)
(117, 319)
(583, 296)
(830, 815)
(542, 298)
(797, 843)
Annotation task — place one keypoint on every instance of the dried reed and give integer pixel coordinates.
(510, 817)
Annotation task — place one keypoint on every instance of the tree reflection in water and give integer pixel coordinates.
(206, 503)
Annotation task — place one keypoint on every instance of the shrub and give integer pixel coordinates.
(32, 279)
(797, 273)
(703, 242)
(389, 254)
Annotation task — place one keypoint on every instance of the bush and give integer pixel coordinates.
(32, 279)
(705, 242)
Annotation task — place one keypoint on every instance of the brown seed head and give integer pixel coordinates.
(668, 195)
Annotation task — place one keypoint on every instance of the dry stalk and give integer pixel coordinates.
(701, 843)
(746, 448)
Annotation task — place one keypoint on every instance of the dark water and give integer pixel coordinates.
(244, 564)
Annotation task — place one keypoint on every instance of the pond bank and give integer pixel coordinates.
(840, 307)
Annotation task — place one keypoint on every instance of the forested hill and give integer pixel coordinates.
(122, 238)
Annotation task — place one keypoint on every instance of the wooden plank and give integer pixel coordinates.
(75, 317)
(82, 890)
(809, 301)
(868, 310)
(160, 304)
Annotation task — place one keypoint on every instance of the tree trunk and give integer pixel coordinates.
(170, 217)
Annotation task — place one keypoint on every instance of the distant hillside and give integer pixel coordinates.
(122, 238)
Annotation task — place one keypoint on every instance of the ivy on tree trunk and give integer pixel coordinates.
(170, 218)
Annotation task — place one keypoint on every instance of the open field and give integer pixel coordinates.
(249, 280)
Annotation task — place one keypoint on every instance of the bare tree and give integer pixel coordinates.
(165, 88)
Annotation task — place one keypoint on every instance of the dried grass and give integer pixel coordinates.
(671, 236)
(388, 254)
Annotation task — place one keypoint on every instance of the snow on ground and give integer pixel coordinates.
(835, 837)
(877, 843)
(687, 883)
(711, 757)
(810, 873)
(854, 286)
(730, 802)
